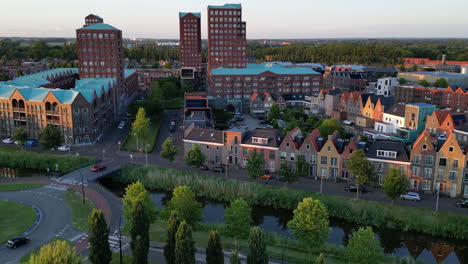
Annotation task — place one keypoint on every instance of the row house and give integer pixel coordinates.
(415, 121)
(350, 105)
(393, 118)
(439, 163)
(372, 109)
(454, 98)
(444, 121)
(260, 103)
(462, 134)
(329, 156)
(326, 102)
(289, 148)
(387, 154)
(210, 141)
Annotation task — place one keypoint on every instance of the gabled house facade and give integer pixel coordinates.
(329, 157)
(384, 155)
(309, 151)
(423, 159)
(289, 148)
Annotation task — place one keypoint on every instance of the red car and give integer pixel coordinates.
(99, 167)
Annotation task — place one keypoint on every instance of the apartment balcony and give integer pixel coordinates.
(53, 113)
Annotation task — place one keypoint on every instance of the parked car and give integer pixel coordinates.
(462, 204)
(412, 196)
(64, 148)
(204, 168)
(264, 122)
(99, 167)
(121, 125)
(17, 241)
(8, 140)
(353, 188)
(30, 143)
(172, 127)
(218, 169)
(265, 177)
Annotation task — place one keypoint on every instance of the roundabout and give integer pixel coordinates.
(17, 218)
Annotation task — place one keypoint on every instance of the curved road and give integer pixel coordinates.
(55, 220)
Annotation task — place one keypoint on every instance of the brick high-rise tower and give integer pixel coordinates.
(227, 43)
(100, 55)
(190, 41)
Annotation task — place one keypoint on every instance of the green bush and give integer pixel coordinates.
(376, 214)
(42, 161)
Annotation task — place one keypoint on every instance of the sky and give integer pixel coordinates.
(266, 19)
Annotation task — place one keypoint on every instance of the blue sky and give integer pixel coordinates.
(265, 18)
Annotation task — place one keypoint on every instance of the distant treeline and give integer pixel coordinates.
(38, 50)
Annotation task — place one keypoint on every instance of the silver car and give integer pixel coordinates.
(412, 196)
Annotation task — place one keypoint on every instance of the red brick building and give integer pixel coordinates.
(190, 41)
(100, 55)
(454, 98)
(92, 19)
(227, 43)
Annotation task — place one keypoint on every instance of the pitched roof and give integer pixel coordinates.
(273, 136)
(206, 135)
(258, 68)
(398, 146)
(441, 115)
(424, 134)
(397, 110)
(99, 26)
(182, 14)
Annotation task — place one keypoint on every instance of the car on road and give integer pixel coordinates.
(17, 241)
(218, 169)
(8, 140)
(204, 168)
(353, 188)
(411, 196)
(121, 125)
(172, 127)
(99, 167)
(30, 143)
(462, 204)
(64, 148)
(265, 177)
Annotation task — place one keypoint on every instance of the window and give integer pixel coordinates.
(287, 144)
(416, 159)
(442, 162)
(308, 146)
(323, 172)
(415, 170)
(429, 160)
(272, 154)
(328, 148)
(323, 160)
(293, 156)
(453, 175)
(450, 149)
(283, 155)
(334, 161)
(465, 179)
(426, 185)
(455, 164)
(440, 175)
(427, 173)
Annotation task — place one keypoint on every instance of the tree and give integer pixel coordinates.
(441, 83)
(329, 126)
(169, 249)
(320, 259)
(135, 193)
(274, 112)
(230, 108)
(360, 168)
(184, 204)
(57, 252)
(185, 246)
(51, 137)
(140, 127)
(195, 157)
(402, 81)
(21, 136)
(363, 247)
(167, 65)
(286, 173)
(238, 218)
(234, 258)
(255, 165)
(424, 83)
(257, 253)
(395, 184)
(214, 251)
(99, 249)
(310, 223)
(169, 150)
(312, 123)
(139, 233)
(302, 168)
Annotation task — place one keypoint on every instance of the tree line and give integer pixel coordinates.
(10, 49)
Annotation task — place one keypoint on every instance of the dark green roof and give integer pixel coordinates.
(226, 6)
(182, 14)
(99, 26)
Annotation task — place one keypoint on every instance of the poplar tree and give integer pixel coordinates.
(185, 246)
(99, 249)
(140, 234)
(169, 249)
(214, 251)
(257, 247)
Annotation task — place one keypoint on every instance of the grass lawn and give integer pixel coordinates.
(25, 259)
(292, 253)
(130, 142)
(125, 259)
(80, 212)
(18, 186)
(8, 149)
(16, 218)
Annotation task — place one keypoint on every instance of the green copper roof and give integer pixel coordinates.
(128, 72)
(255, 69)
(226, 6)
(99, 26)
(182, 14)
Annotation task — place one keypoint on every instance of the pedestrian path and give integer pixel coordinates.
(70, 181)
(57, 187)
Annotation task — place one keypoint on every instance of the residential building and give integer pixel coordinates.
(385, 86)
(372, 109)
(462, 134)
(450, 168)
(350, 105)
(241, 83)
(329, 156)
(260, 103)
(210, 141)
(146, 77)
(393, 118)
(197, 110)
(415, 121)
(309, 150)
(190, 41)
(344, 80)
(414, 94)
(354, 145)
(289, 148)
(266, 142)
(385, 154)
(227, 42)
(423, 163)
(444, 122)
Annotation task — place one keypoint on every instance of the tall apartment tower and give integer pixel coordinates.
(100, 55)
(190, 41)
(227, 43)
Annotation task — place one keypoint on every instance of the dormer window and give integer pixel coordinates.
(258, 140)
(386, 154)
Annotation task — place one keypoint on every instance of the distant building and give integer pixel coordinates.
(197, 110)
(385, 86)
(147, 76)
(454, 98)
(453, 79)
(190, 41)
(92, 19)
(227, 43)
(344, 80)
